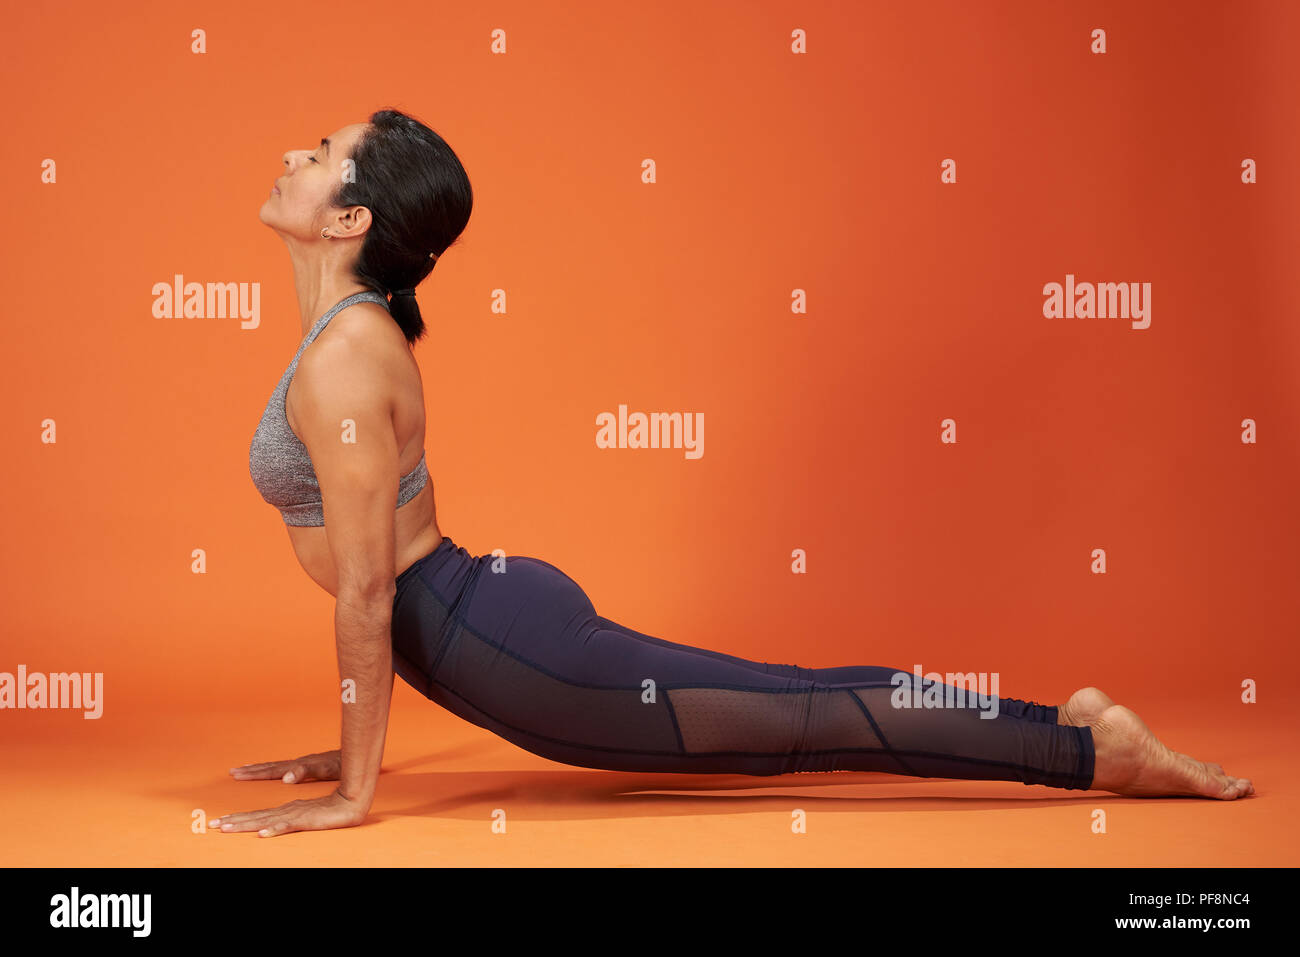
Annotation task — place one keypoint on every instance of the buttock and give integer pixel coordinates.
(515, 605)
(528, 606)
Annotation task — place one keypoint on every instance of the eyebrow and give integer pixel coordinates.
(324, 141)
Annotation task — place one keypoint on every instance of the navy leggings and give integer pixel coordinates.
(513, 645)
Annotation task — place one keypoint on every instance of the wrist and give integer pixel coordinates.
(359, 803)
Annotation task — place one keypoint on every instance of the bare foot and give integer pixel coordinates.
(1216, 768)
(1084, 707)
(1131, 760)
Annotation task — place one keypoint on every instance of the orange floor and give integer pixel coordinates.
(91, 793)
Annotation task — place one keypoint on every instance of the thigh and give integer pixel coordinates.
(533, 612)
(528, 658)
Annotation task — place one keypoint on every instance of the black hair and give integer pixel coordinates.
(419, 197)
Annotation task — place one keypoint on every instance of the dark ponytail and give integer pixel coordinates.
(419, 199)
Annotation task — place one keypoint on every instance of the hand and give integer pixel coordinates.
(324, 766)
(314, 814)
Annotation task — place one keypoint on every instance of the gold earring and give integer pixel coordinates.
(323, 233)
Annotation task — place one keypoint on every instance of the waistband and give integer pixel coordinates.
(446, 571)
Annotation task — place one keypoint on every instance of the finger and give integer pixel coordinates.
(297, 773)
(270, 769)
(256, 766)
(276, 829)
(248, 823)
(239, 818)
(233, 818)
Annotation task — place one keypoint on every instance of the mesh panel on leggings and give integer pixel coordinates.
(827, 729)
(772, 722)
(840, 719)
(760, 731)
(962, 742)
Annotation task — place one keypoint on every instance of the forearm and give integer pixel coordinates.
(362, 630)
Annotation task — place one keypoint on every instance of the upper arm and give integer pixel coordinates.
(344, 413)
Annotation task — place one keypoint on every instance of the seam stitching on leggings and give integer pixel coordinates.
(677, 729)
(879, 733)
(460, 618)
(457, 618)
(450, 625)
(757, 754)
(686, 684)
(896, 754)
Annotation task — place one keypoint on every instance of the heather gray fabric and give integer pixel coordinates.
(278, 461)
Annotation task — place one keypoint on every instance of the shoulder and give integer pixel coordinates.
(359, 351)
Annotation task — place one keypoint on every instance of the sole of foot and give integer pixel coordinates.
(1132, 761)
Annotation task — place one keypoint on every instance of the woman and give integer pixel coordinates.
(513, 644)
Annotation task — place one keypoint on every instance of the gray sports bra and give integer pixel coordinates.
(277, 459)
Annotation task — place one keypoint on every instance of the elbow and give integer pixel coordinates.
(367, 592)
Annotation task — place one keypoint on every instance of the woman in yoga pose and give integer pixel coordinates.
(512, 643)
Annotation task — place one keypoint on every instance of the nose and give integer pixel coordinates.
(292, 158)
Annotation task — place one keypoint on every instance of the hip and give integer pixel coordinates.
(518, 604)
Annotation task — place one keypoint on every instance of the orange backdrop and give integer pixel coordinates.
(775, 171)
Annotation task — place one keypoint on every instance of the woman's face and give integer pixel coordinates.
(298, 204)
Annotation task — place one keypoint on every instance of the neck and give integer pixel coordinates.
(322, 277)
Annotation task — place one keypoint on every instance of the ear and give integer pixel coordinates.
(351, 223)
